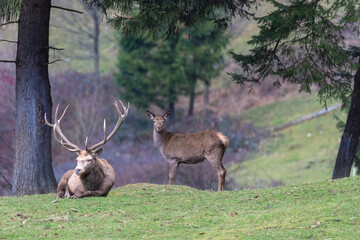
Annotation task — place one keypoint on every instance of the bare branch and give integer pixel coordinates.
(51, 25)
(54, 48)
(8, 61)
(4, 24)
(6, 144)
(8, 183)
(58, 60)
(66, 9)
(3, 40)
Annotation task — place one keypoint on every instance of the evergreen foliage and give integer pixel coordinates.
(312, 42)
(156, 71)
(150, 71)
(303, 42)
(9, 10)
(169, 16)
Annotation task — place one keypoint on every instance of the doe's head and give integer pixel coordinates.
(159, 121)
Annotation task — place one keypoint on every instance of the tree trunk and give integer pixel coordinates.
(206, 98)
(350, 138)
(192, 94)
(33, 171)
(206, 93)
(95, 17)
(172, 115)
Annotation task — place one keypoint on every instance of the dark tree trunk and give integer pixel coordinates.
(206, 93)
(96, 35)
(206, 97)
(172, 109)
(33, 171)
(350, 138)
(192, 86)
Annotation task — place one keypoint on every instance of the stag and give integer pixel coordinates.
(189, 148)
(92, 176)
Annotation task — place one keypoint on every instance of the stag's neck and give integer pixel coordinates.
(160, 138)
(94, 178)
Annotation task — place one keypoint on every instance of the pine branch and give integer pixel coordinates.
(67, 9)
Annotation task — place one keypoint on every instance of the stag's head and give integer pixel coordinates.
(86, 161)
(87, 157)
(159, 121)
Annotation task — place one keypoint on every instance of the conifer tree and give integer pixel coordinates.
(303, 42)
(33, 171)
(204, 47)
(157, 71)
(150, 71)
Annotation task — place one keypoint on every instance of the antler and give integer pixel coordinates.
(57, 130)
(119, 122)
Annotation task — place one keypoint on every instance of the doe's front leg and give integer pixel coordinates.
(173, 164)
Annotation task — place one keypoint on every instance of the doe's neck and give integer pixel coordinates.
(160, 137)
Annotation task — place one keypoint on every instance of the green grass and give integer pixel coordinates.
(322, 210)
(299, 154)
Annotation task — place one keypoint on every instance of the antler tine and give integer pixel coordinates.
(119, 122)
(63, 112)
(47, 122)
(63, 141)
(104, 131)
(86, 141)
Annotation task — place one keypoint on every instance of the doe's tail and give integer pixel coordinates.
(223, 139)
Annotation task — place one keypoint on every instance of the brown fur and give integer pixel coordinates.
(92, 176)
(189, 148)
(96, 181)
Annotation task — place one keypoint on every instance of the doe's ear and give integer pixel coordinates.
(97, 152)
(150, 114)
(167, 114)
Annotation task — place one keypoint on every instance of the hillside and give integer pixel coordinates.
(322, 210)
(299, 154)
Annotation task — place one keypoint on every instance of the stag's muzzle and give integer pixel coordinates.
(77, 171)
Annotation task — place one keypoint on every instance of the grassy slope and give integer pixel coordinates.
(302, 153)
(323, 210)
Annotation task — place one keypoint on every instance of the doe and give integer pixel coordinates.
(189, 148)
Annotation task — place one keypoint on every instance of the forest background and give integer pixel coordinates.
(91, 74)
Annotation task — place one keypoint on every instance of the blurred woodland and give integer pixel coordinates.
(188, 73)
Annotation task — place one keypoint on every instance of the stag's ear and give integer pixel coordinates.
(167, 114)
(150, 114)
(96, 152)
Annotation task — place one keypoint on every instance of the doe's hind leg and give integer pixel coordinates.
(216, 162)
